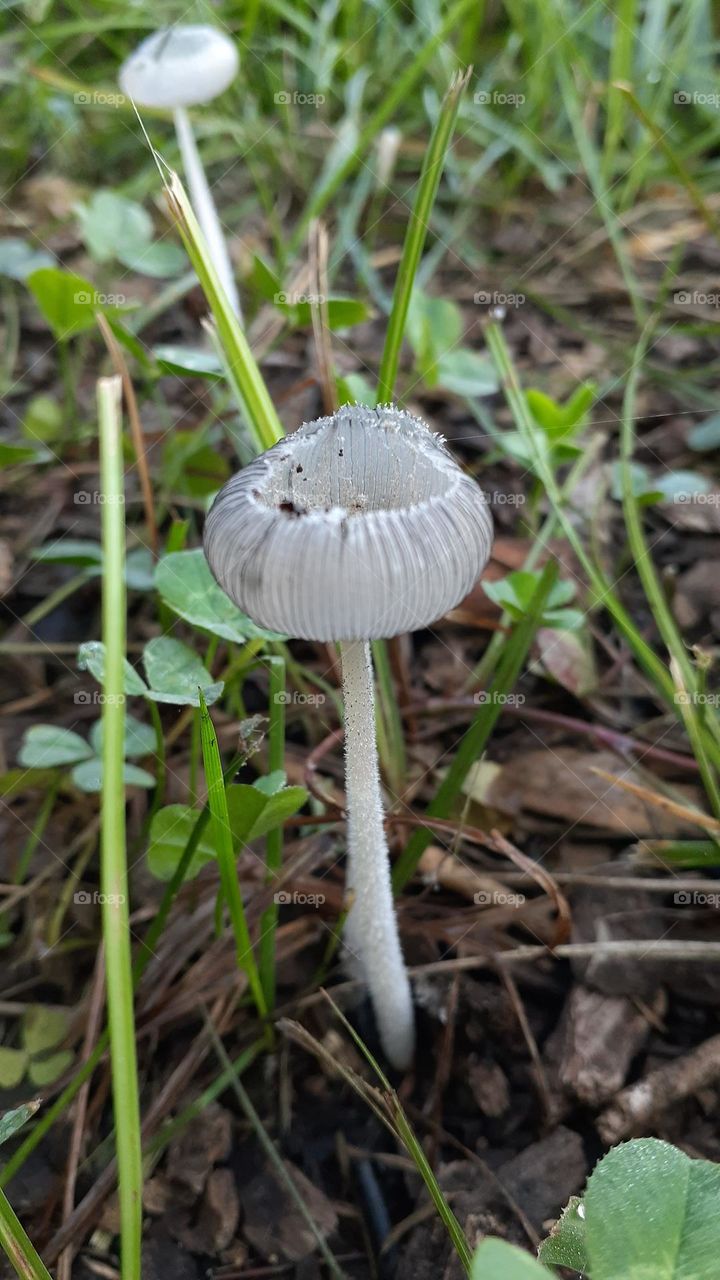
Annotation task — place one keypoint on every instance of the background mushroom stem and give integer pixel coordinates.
(204, 206)
(371, 933)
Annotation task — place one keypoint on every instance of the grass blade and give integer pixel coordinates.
(674, 161)
(415, 234)
(113, 860)
(396, 94)
(17, 1245)
(681, 670)
(478, 735)
(388, 1108)
(648, 660)
(247, 380)
(217, 803)
(621, 63)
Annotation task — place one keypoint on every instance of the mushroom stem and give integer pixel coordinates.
(371, 933)
(204, 206)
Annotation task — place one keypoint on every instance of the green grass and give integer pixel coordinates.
(597, 123)
(113, 862)
(226, 858)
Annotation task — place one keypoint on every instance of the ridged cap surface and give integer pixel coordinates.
(359, 526)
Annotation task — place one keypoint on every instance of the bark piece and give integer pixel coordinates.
(597, 1039)
(635, 1109)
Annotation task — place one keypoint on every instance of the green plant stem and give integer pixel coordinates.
(391, 1113)
(397, 94)
(67, 376)
(624, 92)
(257, 406)
(649, 661)
(477, 736)
(114, 881)
(685, 682)
(55, 598)
(415, 234)
(274, 839)
(17, 1246)
(69, 887)
(194, 1109)
(562, 64)
(36, 835)
(217, 801)
(621, 58)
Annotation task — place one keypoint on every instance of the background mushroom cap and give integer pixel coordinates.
(180, 67)
(356, 527)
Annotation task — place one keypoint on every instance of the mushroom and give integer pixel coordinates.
(357, 527)
(179, 67)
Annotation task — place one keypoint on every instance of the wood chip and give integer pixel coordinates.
(635, 1110)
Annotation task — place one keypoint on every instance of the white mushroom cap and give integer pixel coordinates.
(356, 527)
(180, 67)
